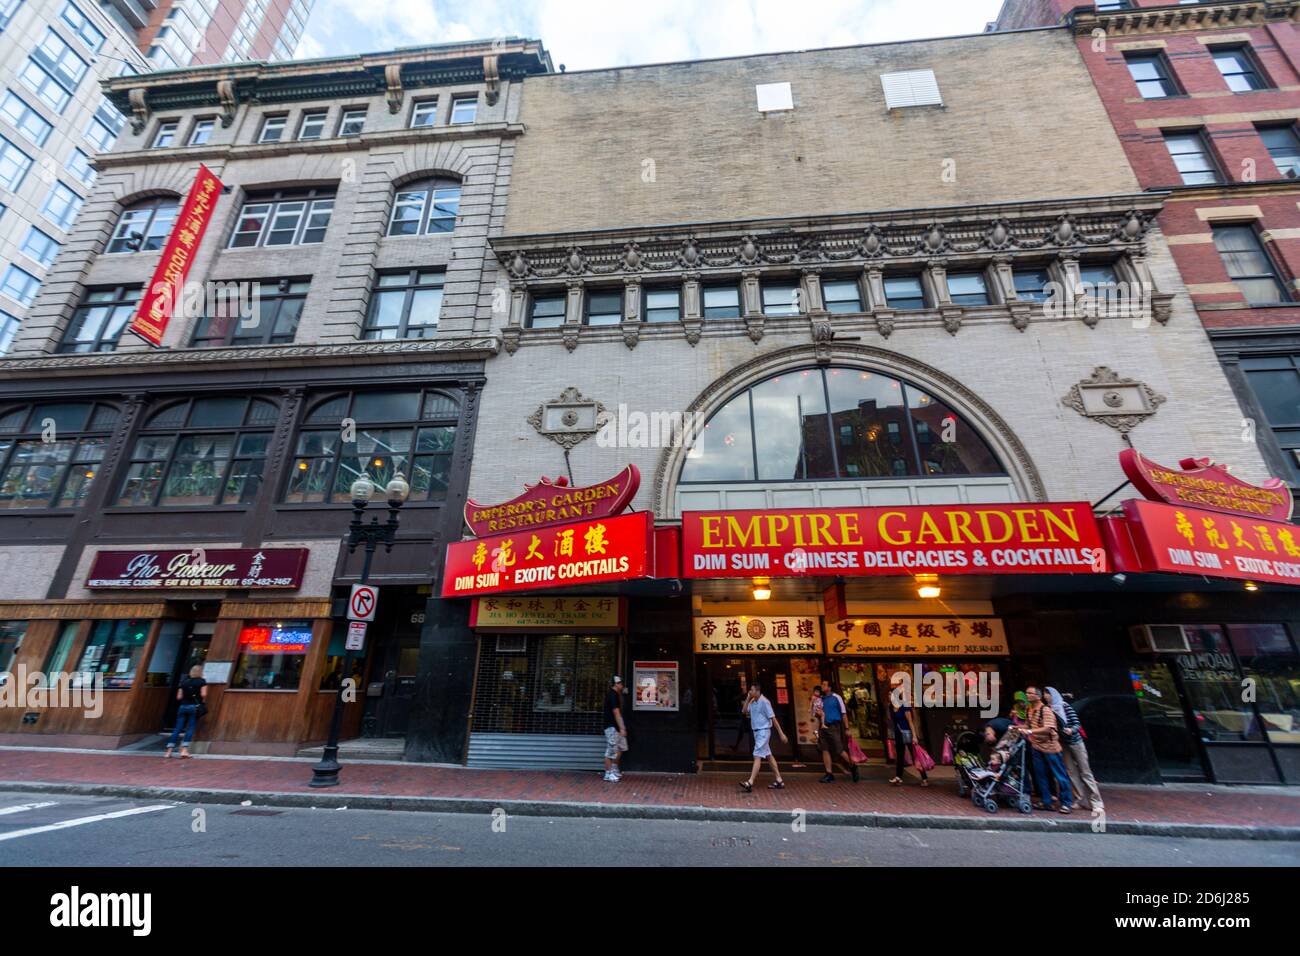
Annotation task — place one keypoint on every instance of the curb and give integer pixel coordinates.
(627, 811)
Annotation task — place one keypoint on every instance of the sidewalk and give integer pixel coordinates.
(1180, 810)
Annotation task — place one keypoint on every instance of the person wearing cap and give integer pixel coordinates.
(615, 730)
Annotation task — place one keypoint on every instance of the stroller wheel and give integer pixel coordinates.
(1024, 805)
(991, 805)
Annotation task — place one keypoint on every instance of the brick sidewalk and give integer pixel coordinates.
(1206, 805)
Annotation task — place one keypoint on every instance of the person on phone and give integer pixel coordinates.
(192, 693)
(761, 720)
(904, 723)
(831, 739)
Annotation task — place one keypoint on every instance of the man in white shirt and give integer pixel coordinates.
(761, 720)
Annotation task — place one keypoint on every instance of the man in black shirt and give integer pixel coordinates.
(615, 730)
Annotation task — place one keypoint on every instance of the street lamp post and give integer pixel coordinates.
(326, 773)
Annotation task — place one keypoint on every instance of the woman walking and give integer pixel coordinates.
(192, 693)
(1083, 783)
(904, 723)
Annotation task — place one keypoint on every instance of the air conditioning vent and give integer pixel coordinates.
(1159, 639)
(911, 88)
(512, 643)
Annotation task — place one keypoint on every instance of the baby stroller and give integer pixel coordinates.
(966, 757)
(1008, 782)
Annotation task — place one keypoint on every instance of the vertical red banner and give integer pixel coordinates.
(160, 297)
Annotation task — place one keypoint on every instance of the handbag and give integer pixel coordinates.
(855, 752)
(905, 737)
(946, 756)
(201, 710)
(924, 762)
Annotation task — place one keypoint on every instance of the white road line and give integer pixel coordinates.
(81, 821)
(24, 807)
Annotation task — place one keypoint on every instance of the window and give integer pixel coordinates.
(781, 298)
(352, 122)
(11, 638)
(721, 302)
(1099, 279)
(663, 305)
(98, 321)
(405, 305)
(14, 164)
(284, 219)
(463, 109)
(1275, 380)
(410, 433)
(1238, 68)
(1151, 74)
(105, 126)
(967, 288)
(144, 226)
(1268, 658)
(57, 662)
(1249, 265)
(273, 129)
(424, 207)
(1103, 5)
(1283, 146)
(8, 329)
(25, 119)
(113, 650)
(201, 132)
(313, 125)
(53, 71)
(603, 306)
(910, 88)
(268, 316)
(842, 295)
(838, 423)
(166, 135)
(161, 58)
(271, 655)
(35, 473)
(20, 285)
(423, 113)
(203, 451)
(547, 312)
(904, 292)
(40, 247)
(1032, 285)
(61, 206)
(7, 10)
(79, 166)
(1192, 158)
(86, 31)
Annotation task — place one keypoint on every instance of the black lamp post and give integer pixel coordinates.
(326, 773)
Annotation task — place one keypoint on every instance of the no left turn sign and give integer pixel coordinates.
(363, 602)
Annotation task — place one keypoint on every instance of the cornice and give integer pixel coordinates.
(1174, 18)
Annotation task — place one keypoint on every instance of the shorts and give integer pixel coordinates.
(831, 739)
(761, 737)
(615, 743)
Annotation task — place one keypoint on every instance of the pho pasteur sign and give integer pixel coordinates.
(554, 502)
(1203, 484)
(741, 634)
(199, 568)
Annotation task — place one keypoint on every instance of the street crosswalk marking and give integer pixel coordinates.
(24, 807)
(82, 821)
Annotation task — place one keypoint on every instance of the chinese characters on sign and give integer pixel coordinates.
(537, 614)
(741, 634)
(875, 636)
(654, 685)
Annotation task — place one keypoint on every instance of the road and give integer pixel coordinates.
(59, 830)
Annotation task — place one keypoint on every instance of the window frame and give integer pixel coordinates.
(349, 114)
(165, 135)
(1202, 141)
(30, 289)
(404, 328)
(1253, 68)
(28, 115)
(775, 285)
(428, 190)
(1165, 76)
(924, 297)
(284, 291)
(1279, 278)
(986, 293)
(536, 299)
(423, 107)
(647, 309)
(86, 436)
(460, 100)
(205, 124)
(32, 230)
(1289, 129)
(319, 118)
(273, 122)
(154, 207)
(22, 166)
(859, 302)
(124, 295)
(81, 29)
(589, 295)
(706, 288)
(310, 199)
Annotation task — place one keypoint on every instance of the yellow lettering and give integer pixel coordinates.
(1068, 528)
(905, 536)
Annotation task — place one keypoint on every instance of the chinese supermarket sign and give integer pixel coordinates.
(1038, 538)
(199, 568)
(160, 298)
(554, 502)
(1192, 541)
(1203, 484)
(540, 614)
(741, 634)
(952, 636)
(582, 552)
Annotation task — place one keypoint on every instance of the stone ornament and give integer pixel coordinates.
(1121, 403)
(569, 419)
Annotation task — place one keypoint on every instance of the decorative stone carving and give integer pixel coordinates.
(690, 254)
(934, 240)
(226, 94)
(139, 109)
(569, 419)
(748, 250)
(518, 267)
(1064, 231)
(1162, 306)
(394, 92)
(632, 256)
(575, 264)
(694, 329)
(998, 235)
(872, 243)
(510, 336)
(823, 333)
(1121, 403)
(1020, 312)
(492, 77)
(885, 323)
(951, 318)
(1133, 228)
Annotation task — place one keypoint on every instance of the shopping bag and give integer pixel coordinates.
(855, 752)
(889, 748)
(946, 756)
(923, 760)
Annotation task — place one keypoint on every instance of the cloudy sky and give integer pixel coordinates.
(587, 34)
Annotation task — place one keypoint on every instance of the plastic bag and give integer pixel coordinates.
(855, 752)
(923, 760)
(946, 756)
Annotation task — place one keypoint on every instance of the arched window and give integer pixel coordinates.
(202, 451)
(379, 434)
(836, 423)
(143, 226)
(429, 205)
(58, 472)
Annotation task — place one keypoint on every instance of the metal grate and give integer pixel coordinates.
(554, 685)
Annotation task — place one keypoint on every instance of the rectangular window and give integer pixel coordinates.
(1151, 74)
(105, 125)
(166, 135)
(25, 119)
(780, 298)
(842, 295)
(271, 655)
(283, 220)
(663, 305)
(11, 638)
(57, 663)
(1239, 69)
(721, 302)
(20, 285)
(313, 125)
(14, 164)
(604, 306)
(79, 166)
(1032, 285)
(463, 109)
(201, 132)
(967, 288)
(405, 305)
(423, 113)
(7, 10)
(143, 227)
(98, 321)
(53, 71)
(8, 329)
(1192, 158)
(352, 122)
(86, 31)
(39, 247)
(1099, 279)
(114, 650)
(273, 129)
(1284, 147)
(267, 314)
(547, 312)
(1249, 265)
(61, 206)
(904, 292)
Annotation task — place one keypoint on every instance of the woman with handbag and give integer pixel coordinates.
(904, 723)
(193, 694)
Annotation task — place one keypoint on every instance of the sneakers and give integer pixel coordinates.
(829, 778)
(613, 776)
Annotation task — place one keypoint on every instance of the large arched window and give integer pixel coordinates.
(836, 423)
(429, 205)
(50, 453)
(143, 226)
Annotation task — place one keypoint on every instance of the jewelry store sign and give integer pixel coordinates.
(547, 614)
(892, 637)
(742, 634)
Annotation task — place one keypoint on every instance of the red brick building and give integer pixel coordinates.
(1205, 98)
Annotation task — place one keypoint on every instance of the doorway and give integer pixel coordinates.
(193, 651)
(1164, 714)
(726, 682)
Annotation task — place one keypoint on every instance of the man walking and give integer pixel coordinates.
(761, 719)
(1044, 739)
(615, 730)
(831, 738)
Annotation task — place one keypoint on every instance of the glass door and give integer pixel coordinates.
(193, 651)
(1178, 752)
(773, 673)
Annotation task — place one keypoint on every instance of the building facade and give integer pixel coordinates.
(179, 33)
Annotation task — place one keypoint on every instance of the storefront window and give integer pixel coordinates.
(113, 650)
(332, 676)
(544, 684)
(1214, 689)
(271, 655)
(1269, 659)
(49, 454)
(11, 638)
(62, 649)
(163, 660)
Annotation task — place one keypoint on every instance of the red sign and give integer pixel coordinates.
(554, 502)
(199, 568)
(1032, 538)
(160, 298)
(1203, 484)
(275, 639)
(560, 556)
(1193, 541)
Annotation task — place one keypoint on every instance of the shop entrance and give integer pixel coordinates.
(725, 734)
(394, 668)
(193, 651)
(1178, 753)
